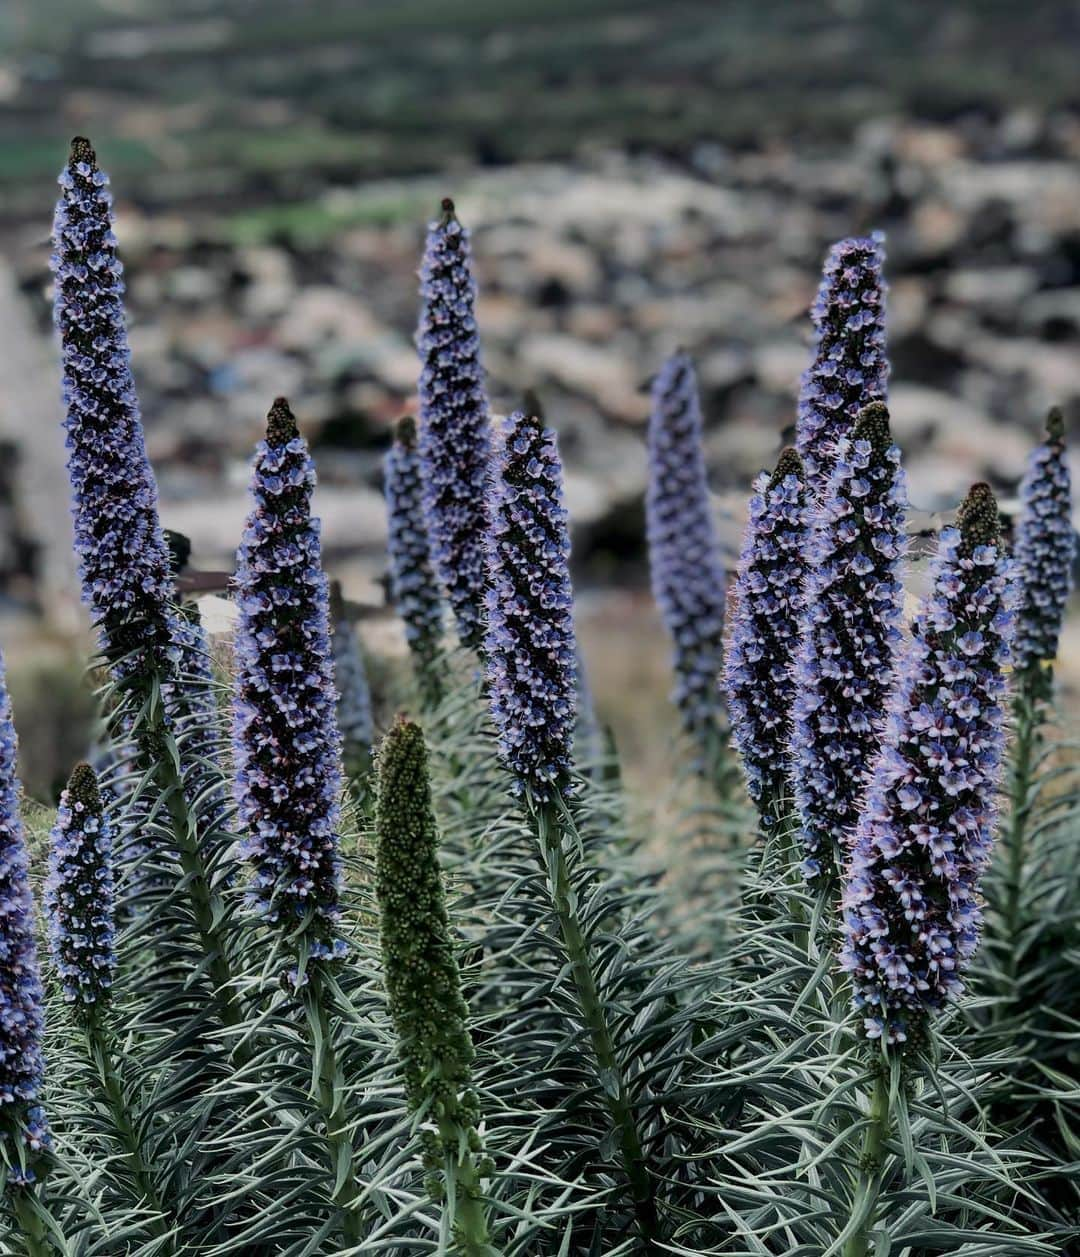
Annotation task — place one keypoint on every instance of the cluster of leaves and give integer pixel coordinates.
(441, 1004)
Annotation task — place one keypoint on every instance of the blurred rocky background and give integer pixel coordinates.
(637, 176)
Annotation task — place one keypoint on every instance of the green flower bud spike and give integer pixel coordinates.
(424, 988)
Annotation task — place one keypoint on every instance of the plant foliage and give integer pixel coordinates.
(472, 1019)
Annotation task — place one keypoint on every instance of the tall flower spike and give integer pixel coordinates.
(684, 555)
(353, 692)
(454, 429)
(848, 637)
(911, 895)
(849, 368)
(24, 1132)
(285, 736)
(530, 646)
(1045, 547)
(413, 585)
(422, 979)
(123, 559)
(766, 601)
(80, 896)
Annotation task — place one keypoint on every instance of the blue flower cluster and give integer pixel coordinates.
(848, 637)
(24, 1131)
(684, 555)
(530, 646)
(454, 430)
(911, 893)
(355, 723)
(412, 578)
(123, 559)
(80, 895)
(285, 736)
(765, 605)
(1044, 548)
(849, 368)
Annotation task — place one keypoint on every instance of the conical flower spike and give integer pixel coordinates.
(454, 429)
(911, 894)
(766, 602)
(848, 638)
(285, 734)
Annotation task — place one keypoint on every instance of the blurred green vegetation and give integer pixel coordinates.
(310, 223)
(261, 100)
(55, 715)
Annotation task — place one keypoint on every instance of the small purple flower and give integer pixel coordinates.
(849, 369)
(765, 604)
(123, 559)
(530, 647)
(454, 429)
(911, 895)
(350, 679)
(23, 1129)
(848, 636)
(1044, 548)
(80, 895)
(684, 555)
(285, 735)
(413, 585)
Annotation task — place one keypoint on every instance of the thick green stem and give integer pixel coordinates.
(330, 1094)
(551, 831)
(469, 1211)
(717, 762)
(99, 1048)
(30, 1224)
(429, 682)
(361, 784)
(781, 860)
(871, 1165)
(206, 906)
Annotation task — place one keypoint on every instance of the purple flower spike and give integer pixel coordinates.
(454, 430)
(1044, 549)
(766, 600)
(530, 646)
(123, 560)
(80, 896)
(413, 585)
(911, 887)
(285, 734)
(848, 637)
(24, 1132)
(684, 556)
(849, 369)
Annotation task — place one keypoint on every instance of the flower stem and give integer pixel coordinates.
(429, 682)
(718, 762)
(155, 741)
(552, 823)
(469, 1213)
(329, 1094)
(30, 1223)
(871, 1162)
(109, 1078)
